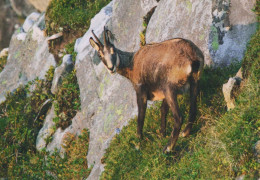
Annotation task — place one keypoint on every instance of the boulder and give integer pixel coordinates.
(28, 58)
(60, 72)
(214, 26)
(229, 88)
(30, 21)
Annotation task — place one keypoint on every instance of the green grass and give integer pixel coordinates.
(221, 143)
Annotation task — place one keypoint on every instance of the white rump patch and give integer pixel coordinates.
(188, 70)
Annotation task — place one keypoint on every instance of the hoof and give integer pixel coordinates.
(185, 134)
(137, 147)
(166, 149)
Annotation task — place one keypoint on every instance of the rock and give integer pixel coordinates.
(214, 26)
(60, 72)
(30, 21)
(40, 5)
(21, 36)
(76, 127)
(168, 22)
(228, 88)
(257, 151)
(27, 60)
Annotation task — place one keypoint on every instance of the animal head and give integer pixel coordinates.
(106, 52)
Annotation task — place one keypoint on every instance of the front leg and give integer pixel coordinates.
(141, 96)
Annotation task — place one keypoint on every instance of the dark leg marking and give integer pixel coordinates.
(164, 112)
(171, 97)
(193, 107)
(142, 104)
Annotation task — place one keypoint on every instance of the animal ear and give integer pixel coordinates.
(94, 44)
(110, 35)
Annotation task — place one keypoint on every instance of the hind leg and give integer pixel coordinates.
(164, 112)
(171, 98)
(193, 107)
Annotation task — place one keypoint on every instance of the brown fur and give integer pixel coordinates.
(164, 62)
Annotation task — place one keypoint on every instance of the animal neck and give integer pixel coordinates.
(126, 63)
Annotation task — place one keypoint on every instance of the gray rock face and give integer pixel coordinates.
(220, 28)
(127, 22)
(27, 59)
(186, 19)
(61, 71)
(30, 20)
(229, 46)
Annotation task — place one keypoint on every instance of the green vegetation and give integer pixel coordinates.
(19, 129)
(146, 20)
(250, 63)
(221, 143)
(19, 114)
(67, 101)
(43, 165)
(3, 61)
(71, 15)
(215, 43)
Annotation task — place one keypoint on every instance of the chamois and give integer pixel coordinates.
(158, 71)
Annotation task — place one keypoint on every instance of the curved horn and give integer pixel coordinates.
(105, 36)
(99, 42)
(110, 35)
